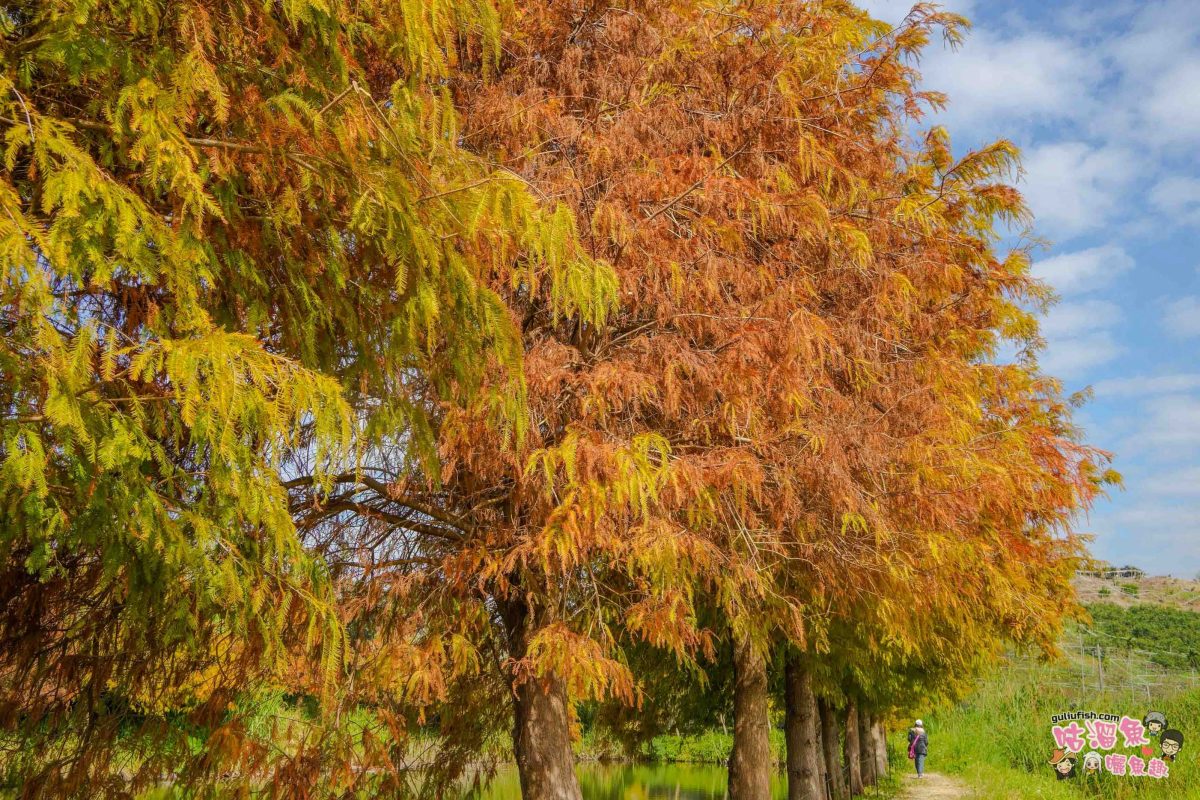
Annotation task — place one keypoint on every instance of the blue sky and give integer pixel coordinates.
(1103, 97)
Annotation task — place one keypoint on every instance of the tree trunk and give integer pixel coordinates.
(750, 761)
(802, 731)
(881, 753)
(866, 748)
(541, 721)
(836, 781)
(822, 767)
(852, 749)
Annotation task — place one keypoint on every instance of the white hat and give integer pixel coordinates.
(920, 724)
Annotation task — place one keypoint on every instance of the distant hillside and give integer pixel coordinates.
(1168, 637)
(1174, 592)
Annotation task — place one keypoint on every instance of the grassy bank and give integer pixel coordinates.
(693, 764)
(627, 781)
(705, 747)
(999, 739)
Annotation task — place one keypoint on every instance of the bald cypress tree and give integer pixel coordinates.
(239, 241)
(338, 339)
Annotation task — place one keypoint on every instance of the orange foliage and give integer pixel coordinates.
(795, 413)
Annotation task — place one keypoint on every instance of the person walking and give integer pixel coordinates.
(918, 746)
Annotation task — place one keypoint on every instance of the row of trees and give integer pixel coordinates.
(447, 364)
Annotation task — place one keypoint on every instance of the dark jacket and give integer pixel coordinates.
(922, 738)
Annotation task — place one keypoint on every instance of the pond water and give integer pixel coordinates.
(638, 782)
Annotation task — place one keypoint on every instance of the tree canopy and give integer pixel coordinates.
(440, 364)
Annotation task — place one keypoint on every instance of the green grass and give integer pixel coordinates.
(711, 747)
(694, 781)
(999, 739)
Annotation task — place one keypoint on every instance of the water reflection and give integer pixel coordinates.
(626, 782)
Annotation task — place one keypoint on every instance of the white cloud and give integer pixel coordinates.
(1183, 316)
(1072, 319)
(1084, 270)
(1088, 16)
(1097, 94)
(1178, 198)
(1074, 356)
(1156, 34)
(1079, 337)
(1155, 430)
(1157, 55)
(1111, 146)
(1074, 187)
(1172, 422)
(997, 83)
(1141, 385)
(1158, 534)
(1171, 109)
(1184, 482)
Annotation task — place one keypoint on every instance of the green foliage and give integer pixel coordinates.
(229, 253)
(708, 747)
(1171, 635)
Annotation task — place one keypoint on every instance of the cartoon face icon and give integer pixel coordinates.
(1091, 763)
(1063, 763)
(1155, 722)
(1172, 743)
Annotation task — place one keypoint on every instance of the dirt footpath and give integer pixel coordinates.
(933, 787)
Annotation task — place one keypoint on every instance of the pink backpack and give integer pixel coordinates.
(912, 746)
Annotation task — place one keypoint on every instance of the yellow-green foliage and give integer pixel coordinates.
(229, 254)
